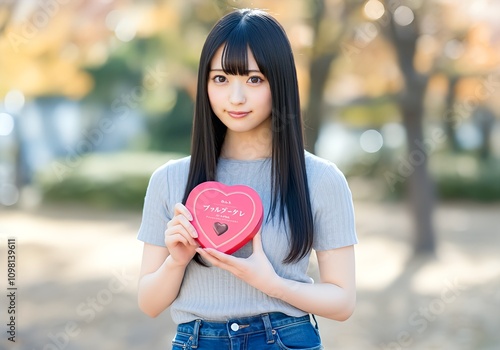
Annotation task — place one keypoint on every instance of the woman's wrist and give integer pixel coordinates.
(173, 264)
(277, 289)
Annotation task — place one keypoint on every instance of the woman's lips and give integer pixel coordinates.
(236, 114)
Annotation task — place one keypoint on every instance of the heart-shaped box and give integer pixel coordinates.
(225, 217)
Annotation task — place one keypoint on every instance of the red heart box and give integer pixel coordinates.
(225, 217)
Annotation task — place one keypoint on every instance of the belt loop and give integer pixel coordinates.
(196, 332)
(269, 328)
(315, 322)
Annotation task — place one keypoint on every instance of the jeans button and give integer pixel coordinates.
(235, 327)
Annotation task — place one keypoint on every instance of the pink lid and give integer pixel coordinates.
(225, 217)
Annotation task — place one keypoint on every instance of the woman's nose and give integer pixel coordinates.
(237, 94)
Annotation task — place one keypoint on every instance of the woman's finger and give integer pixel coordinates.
(225, 259)
(174, 239)
(187, 225)
(182, 217)
(208, 256)
(257, 243)
(181, 209)
(181, 230)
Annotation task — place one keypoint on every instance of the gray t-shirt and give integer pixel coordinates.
(211, 293)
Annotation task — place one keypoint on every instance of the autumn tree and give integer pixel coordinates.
(404, 32)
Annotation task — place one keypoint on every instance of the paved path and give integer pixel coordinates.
(77, 277)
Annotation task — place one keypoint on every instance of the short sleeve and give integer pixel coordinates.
(155, 211)
(333, 210)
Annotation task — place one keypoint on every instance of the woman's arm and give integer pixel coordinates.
(163, 268)
(160, 280)
(333, 297)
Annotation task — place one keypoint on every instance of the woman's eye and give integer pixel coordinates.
(219, 79)
(255, 80)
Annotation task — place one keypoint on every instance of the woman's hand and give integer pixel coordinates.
(180, 236)
(256, 270)
(333, 297)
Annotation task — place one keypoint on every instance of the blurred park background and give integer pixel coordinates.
(401, 95)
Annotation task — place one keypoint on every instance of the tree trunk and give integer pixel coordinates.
(326, 44)
(411, 103)
(318, 73)
(449, 122)
(484, 117)
(420, 185)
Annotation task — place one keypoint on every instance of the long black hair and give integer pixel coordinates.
(267, 40)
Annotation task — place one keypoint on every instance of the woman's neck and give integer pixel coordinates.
(247, 146)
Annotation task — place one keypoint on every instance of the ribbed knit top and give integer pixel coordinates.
(211, 293)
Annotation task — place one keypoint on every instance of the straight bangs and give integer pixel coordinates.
(235, 54)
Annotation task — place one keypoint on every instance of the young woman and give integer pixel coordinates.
(247, 130)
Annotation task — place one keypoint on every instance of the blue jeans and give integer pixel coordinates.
(271, 331)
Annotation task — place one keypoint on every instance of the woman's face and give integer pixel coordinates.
(242, 102)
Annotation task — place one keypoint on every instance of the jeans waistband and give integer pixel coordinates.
(239, 326)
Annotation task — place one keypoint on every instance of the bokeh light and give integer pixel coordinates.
(9, 194)
(371, 141)
(394, 135)
(469, 136)
(14, 101)
(125, 30)
(374, 9)
(112, 19)
(6, 124)
(403, 16)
